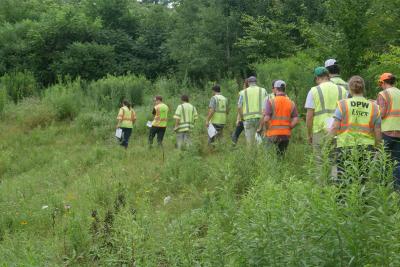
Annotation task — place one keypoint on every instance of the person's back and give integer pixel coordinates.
(187, 115)
(389, 103)
(221, 107)
(253, 99)
(161, 116)
(339, 81)
(325, 96)
(358, 117)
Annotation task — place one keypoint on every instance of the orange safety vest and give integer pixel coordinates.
(282, 108)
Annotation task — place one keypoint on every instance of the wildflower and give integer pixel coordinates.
(67, 207)
(24, 222)
(44, 207)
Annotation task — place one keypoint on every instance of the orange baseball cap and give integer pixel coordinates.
(385, 76)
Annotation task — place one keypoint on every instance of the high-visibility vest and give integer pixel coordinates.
(391, 122)
(187, 114)
(161, 117)
(219, 116)
(339, 81)
(126, 116)
(253, 99)
(358, 122)
(282, 109)
(325, 98)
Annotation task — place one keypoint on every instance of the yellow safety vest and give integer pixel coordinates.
(187, 114)
(391, 122)
(253, 99)
(339, 81)
(219, 116)
(325, 98)
(126, 116)
(161, 117)
(358, 122)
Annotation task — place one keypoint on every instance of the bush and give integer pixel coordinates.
(65, 99)
(19, 85)
(110, 91)
(3, 99)
(386, 62)
(30, 113)
(296, 71)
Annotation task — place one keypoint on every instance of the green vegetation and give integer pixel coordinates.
(69, 195)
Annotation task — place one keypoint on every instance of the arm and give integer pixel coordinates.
(119, 117)
(335, 127)
(209, 116)
(309, 124)
(176, 123)
(382, 106)
(294, 122)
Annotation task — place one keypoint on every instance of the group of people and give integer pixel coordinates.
(336, 111)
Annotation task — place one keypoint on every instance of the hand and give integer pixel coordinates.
(259, 130)
(116, 127)
(207, 124)
(237, 123)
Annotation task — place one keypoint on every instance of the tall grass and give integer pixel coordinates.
(70, 196)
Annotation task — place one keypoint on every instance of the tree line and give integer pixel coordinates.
(193, 40)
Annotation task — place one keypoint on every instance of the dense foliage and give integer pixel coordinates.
(195, 40)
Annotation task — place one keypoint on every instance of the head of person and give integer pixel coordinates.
(279, 86)
(157, 99)
(185, 98)
(216, 89)
(252, 80)
(356, 86)
(387, 80)
(321, 74)
(125, 103)
(332, 66)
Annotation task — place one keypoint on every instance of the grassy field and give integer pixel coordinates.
(69, 195)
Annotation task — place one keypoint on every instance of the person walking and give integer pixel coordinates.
(239, 123)
(126, 118)
(185, 117)
(357, 125)
(280, 117)
(334, 73)
(321, 104)
(159, 124)
(217, 112)
(389, 103)
(250, 108)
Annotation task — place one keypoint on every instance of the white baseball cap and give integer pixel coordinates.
(279, 84)
(330, 62)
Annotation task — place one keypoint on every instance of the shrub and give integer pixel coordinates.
(110, 91)
(19, 85)
(30, 113)
(386, 62)
(65, 99)
(3, 99)
(296, 71)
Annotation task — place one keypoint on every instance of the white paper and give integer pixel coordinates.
(329, 123)
(258, 138)
(211, 131)
(149, 124)
(118, 133)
